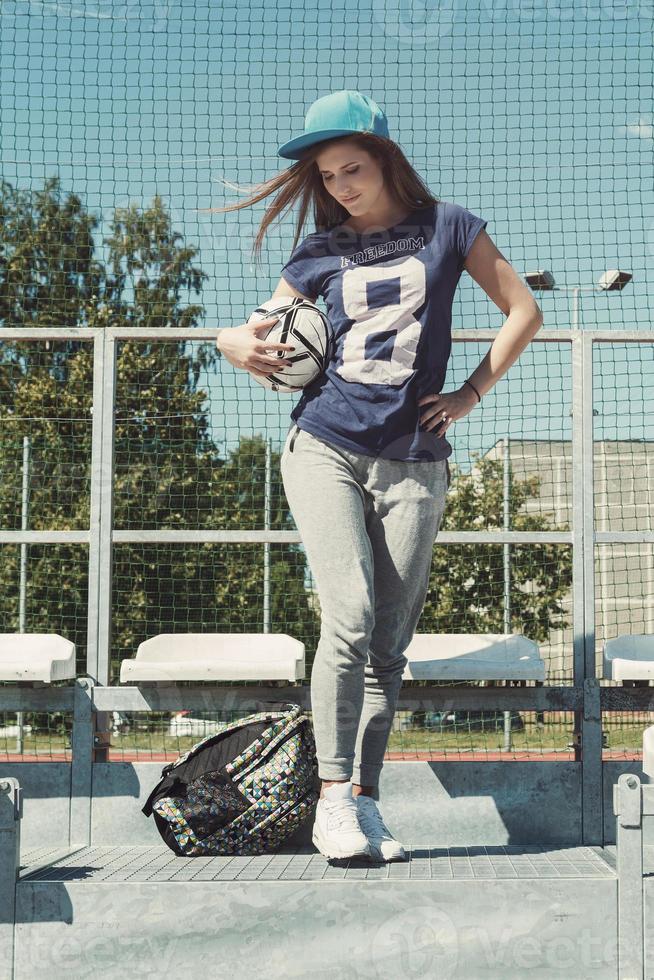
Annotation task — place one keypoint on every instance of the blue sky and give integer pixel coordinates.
(537, 116)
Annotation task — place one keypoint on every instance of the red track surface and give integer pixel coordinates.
(426, 756)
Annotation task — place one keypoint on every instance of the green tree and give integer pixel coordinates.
(467, 581)
(168, 472)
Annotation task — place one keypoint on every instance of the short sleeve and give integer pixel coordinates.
(303, 269)
(465, 227)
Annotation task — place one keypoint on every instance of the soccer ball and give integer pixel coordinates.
(304, 326)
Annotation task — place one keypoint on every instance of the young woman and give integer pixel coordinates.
(364, 465)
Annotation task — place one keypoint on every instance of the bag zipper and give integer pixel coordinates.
(237, 774)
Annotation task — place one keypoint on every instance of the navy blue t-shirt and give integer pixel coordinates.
(388, 298)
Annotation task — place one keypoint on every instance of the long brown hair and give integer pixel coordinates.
(302, 181)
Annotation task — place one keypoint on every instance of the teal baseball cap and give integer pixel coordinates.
(338, 114)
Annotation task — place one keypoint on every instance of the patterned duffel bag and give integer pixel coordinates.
(242, 790)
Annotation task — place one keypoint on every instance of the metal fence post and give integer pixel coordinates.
(81, 776)
(585, 663)
(105, 540)
(591, 765)
(10, 813)
(577, 467)
(627, 806)
(107, 508)
(95, 506)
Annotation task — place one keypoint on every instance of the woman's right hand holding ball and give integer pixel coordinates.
(245, 350)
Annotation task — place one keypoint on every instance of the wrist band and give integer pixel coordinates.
(466, 382)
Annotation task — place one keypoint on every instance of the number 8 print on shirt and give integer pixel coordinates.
(389, 299)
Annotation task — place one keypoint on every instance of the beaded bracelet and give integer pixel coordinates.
(466, 382)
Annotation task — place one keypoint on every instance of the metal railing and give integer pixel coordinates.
(585, 696)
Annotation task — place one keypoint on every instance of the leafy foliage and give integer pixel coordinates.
(467, 581)
(169, 474)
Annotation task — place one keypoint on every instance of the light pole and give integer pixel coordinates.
(506, 483)
(612, 280)
(22, 589)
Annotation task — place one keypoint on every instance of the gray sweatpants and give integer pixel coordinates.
(368, 526)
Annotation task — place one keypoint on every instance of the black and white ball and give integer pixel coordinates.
(304, 326)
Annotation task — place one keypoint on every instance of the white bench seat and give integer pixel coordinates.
(648, 752)
(629, 657)
(36, 657)
(473, 656)
(216, 657)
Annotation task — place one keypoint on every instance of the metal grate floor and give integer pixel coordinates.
(159, 864)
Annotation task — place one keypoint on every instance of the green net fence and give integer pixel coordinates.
(120, 123)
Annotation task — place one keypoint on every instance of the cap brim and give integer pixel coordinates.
(293, 149)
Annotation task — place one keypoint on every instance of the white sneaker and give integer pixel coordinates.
(382, 843)
(336, 829)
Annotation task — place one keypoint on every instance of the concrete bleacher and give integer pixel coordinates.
(277, 656)
(451, 912)
(115, 908)
(38, 658)
(497, 882)
(216, 657)
(629, 657)
(648, 752)
(473, 657)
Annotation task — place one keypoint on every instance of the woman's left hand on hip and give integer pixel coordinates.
(444, 408)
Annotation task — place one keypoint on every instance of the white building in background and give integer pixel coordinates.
(624, 501)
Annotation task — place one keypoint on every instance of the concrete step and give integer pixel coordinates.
(510, 911)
